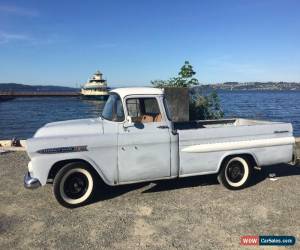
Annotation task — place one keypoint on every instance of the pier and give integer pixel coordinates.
(6, 95)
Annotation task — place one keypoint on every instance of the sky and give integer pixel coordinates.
(135, 41)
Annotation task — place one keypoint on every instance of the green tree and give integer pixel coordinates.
(202, 107)
(184, 79)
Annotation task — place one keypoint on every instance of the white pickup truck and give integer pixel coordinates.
(134, 140)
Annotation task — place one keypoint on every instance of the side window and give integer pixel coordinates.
(143, 110)
(133, 107)
(151, 106)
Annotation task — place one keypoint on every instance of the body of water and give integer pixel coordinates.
(21, 117)
(263, 105)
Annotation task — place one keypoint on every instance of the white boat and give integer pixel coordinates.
(95, 88)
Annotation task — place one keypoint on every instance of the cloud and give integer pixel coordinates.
(28, 40)
(20, 11)
(12, 37)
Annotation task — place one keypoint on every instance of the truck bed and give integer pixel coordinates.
(203, 143)
(219, 123)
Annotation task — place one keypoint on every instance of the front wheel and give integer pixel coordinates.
(74, 185)
(235, 173)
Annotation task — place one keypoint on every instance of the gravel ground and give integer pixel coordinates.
(191, 213)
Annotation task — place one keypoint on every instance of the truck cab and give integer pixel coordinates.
(145, 138)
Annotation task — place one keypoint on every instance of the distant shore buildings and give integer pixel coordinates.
(256, 86)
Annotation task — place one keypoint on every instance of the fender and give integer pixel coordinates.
(41, 171)
(98, 170)
(238, 152)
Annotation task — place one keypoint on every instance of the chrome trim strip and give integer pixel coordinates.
(235, 145)
(281, 131)
(69, 149)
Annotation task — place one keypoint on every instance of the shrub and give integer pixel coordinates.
(205, 107)
(202, 107)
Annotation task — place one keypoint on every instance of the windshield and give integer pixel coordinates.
(113, 109)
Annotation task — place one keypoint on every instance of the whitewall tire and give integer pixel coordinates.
(235, 172)
(74, 185)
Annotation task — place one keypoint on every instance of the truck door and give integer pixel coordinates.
(144, 147)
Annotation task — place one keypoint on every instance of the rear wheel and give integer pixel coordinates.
(74, 185)
(235, 173)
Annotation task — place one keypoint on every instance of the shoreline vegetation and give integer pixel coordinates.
(230, 86)
(19, 87)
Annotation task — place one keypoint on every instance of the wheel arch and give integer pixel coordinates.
(60, 164)
(248, 155)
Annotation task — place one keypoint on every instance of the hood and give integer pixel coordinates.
(71, 127)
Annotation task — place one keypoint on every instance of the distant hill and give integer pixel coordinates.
(15, 87)
(280, 86)
(257, 86)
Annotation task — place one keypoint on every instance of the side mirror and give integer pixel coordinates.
(128, 122)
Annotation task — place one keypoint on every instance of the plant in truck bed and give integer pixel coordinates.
(201, 106)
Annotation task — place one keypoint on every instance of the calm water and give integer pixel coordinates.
(21, 117)
(265, 105)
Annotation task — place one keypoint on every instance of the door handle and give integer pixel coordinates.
(163, 127)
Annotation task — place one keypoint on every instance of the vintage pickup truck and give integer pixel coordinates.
(134, 140)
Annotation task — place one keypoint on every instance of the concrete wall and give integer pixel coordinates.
(178, 100)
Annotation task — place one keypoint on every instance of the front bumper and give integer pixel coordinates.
(31, 183)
